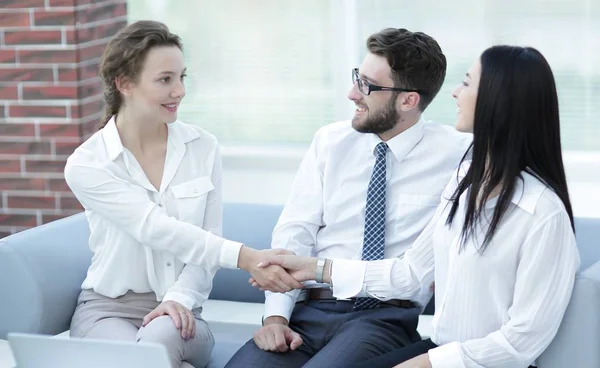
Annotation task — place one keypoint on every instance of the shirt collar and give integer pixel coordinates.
(112, 140)
(179, 135)
(404, 142)
(527, 193)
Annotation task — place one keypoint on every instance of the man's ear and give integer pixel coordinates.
(408, 101)
(124, 85)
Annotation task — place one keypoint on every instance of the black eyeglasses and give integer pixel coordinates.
(366, 88)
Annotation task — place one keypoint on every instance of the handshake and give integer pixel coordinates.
(278, 270)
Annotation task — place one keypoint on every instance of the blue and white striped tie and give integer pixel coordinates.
(374, 236)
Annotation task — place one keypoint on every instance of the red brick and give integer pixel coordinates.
(47, 56)
(91, 89)
(87, 109)
(98, 32)
(92, 52)
(9, 93)
(58, 185)
(49, 218)
(65, 148)
(89, 71)
(99, 13)
(64, 2)
(30, 201)
(50, 93)
(18, 74)
(22, 4)
(67, 75)
(37, 111)
(17, 130)
(10, 166)
(25, 148)
(22, 184)
(32, 37)
(17, 220)
(14, 20)
(53, 18)
(42, 166)
(59, 130)
(89, 128)
(8, 56)
(69, 202)
(71, 37)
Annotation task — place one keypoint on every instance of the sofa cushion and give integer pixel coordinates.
(250, 224)
(42, 271)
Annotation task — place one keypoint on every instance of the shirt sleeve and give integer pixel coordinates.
(396, 278)
(545, 277)
(300, 220)
(195, 283)
(405, 277)
(130, 209)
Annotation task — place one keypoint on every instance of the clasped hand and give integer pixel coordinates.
(279, 270)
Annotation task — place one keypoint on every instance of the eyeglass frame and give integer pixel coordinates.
(373, 87)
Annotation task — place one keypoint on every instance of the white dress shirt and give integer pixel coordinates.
(325, 213)
(497, 309)
(166, 241)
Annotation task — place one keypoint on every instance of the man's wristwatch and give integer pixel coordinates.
(320, 270)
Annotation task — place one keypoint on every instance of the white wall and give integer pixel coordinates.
(265, 176)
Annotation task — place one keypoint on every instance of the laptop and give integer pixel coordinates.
(43, 351)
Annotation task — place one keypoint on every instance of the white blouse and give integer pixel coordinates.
(166, 241)
(501, 308)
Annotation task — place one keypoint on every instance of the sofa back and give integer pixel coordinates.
(251, 224)
(42, 268)
(41, 274)
(587, 232)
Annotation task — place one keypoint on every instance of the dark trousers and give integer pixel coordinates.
(398, 356)
(334, 335)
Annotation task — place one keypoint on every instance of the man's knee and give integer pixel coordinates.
(250, 355)
(244, 354)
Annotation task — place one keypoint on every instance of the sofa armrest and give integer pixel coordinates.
(42, 271)
(578, 338)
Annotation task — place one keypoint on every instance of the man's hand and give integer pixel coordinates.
(300, 268)
(276, 336)
(182, 317)
(422, 361)
(273, 278)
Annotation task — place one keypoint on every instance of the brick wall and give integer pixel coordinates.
(50, 100)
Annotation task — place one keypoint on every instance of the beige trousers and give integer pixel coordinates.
(100, 317)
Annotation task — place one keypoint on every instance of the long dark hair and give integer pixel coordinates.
(516, 128)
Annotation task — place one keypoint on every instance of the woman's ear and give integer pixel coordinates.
(124, 85)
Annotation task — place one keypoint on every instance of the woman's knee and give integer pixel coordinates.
(160, 330)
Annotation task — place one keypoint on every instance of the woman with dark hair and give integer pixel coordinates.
(151, 189)
(501, 247)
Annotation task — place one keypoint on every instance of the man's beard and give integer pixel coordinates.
(381, 121)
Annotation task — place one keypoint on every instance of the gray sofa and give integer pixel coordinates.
(42, 269)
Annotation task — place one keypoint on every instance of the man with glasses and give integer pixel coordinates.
(365, 190)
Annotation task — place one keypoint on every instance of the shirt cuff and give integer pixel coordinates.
(230, 252)
(378, 279)
(180, 298)
(347, 278)
(446, 356)
(277, 304)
